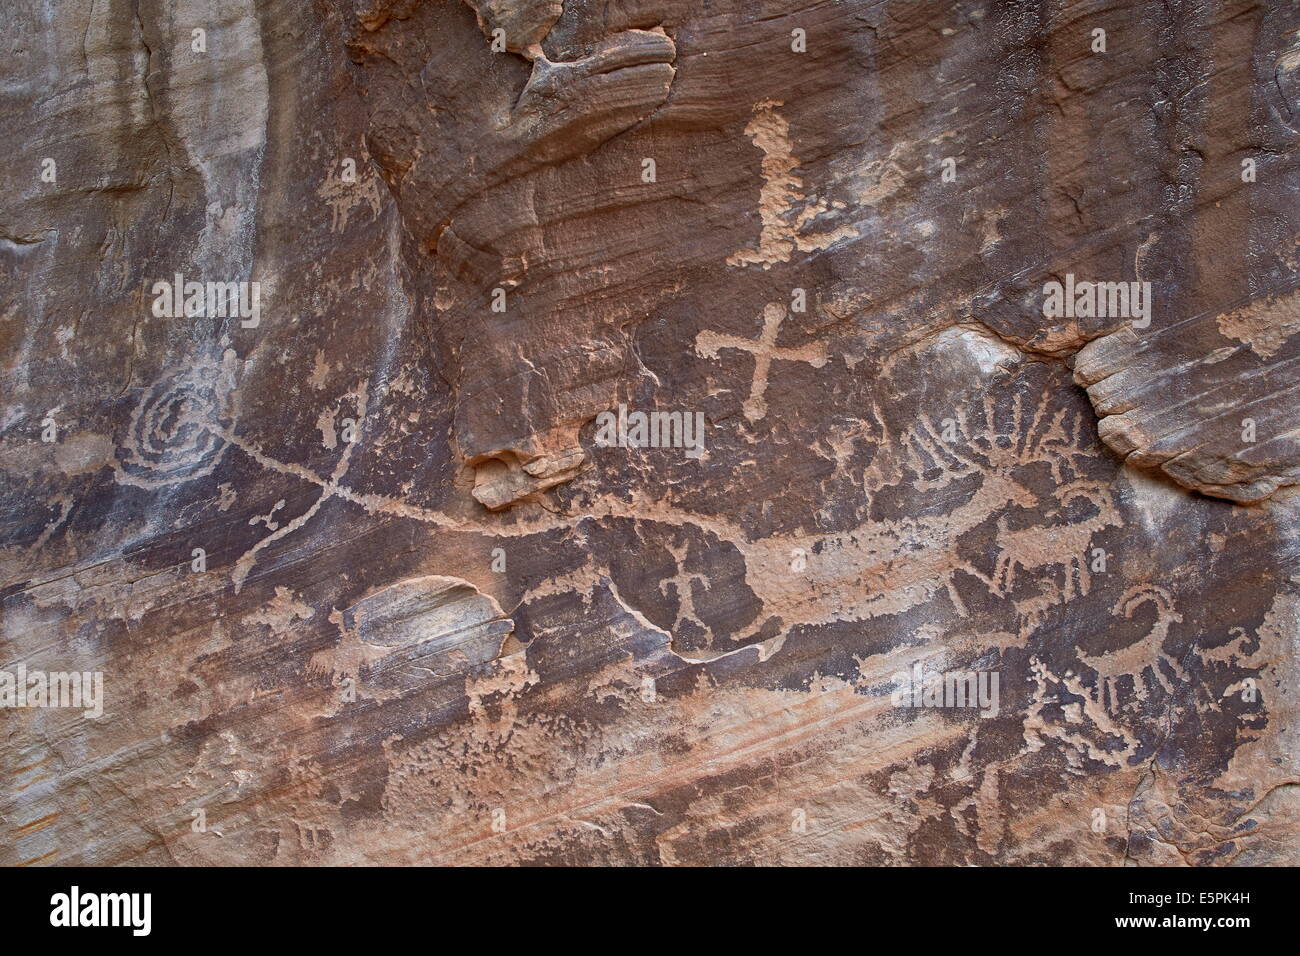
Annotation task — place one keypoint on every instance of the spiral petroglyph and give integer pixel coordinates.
(176, 431)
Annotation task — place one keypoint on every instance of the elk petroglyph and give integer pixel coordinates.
(1045, 524)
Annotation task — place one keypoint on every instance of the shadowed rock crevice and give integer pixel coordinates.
(1212, 402)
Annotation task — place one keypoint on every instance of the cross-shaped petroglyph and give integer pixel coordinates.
(781, 195)
(708, 343)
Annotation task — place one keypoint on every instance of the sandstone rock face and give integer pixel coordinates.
(377, 565)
